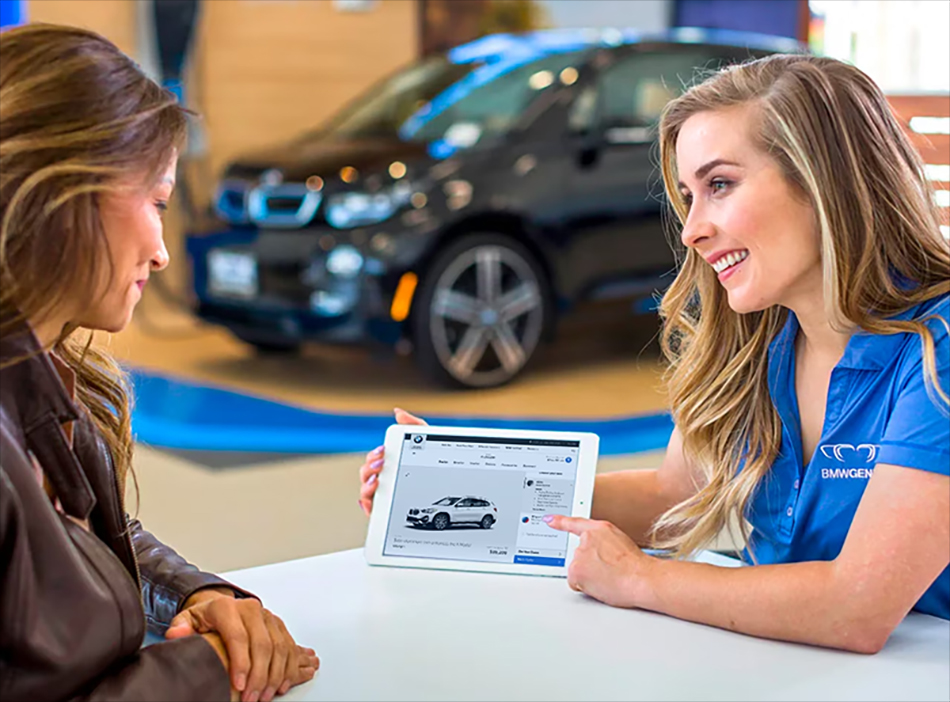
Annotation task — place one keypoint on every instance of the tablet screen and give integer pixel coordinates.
(481, 499)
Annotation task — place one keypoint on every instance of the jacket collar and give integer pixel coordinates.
(33, 397)
(32, 378)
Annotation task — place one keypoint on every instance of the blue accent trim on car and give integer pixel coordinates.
(178, 414)
(505, 52)
(563, 40)
(230, 201)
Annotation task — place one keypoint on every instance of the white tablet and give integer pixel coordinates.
(474, 499)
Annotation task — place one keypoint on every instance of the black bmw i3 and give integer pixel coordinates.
(462, 205)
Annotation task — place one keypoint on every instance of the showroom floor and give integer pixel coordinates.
(228, 510)
(603, 364)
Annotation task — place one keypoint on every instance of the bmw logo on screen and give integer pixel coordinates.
(568, 459)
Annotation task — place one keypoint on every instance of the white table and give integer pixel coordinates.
(406, 634)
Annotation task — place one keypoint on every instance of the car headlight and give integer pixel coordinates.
(344, 262)
(428, 510)
(358, 209)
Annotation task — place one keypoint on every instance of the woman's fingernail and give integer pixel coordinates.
(269, 694)
(378, 450)
(241, 682)
(372, 479)
(377, 463)
(548, 518)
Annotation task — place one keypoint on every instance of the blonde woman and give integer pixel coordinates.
(88, 148)
(809, 367)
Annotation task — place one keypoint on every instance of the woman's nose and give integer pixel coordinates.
(160, 258)
(696, 229)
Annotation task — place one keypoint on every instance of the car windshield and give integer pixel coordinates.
(446, 501)
(382, 109)
(456, 103)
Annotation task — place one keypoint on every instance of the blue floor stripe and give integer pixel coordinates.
(177, 414)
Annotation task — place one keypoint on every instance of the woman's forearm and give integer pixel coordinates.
(631, 500)
(799, 602)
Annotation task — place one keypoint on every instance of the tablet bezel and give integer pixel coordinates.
(383, 500)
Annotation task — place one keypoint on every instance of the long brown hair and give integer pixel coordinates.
(77, 116)
(832, 132)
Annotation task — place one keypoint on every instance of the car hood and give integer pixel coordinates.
(298, 160)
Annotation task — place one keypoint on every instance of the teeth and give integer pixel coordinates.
(729, 260)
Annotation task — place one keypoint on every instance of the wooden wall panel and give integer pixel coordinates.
(113, 19)
(266, 71)
(934, 148)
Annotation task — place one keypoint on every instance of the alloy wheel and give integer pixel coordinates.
(486, 316)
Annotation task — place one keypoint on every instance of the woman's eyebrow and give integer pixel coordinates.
(705, 168)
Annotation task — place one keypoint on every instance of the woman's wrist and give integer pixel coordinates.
(217, 643)
(643, 581)
(205, 594)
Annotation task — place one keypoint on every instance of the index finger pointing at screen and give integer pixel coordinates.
(574, 525)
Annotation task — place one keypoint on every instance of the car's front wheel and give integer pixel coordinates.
(481, 312)
(441, 522)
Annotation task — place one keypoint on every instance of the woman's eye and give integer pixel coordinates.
(718, 185)
(162, 206)
(687, 198)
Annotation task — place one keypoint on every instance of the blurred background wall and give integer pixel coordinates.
(263, 69)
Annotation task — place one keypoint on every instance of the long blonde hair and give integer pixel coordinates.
(831, 130)
(77, 116)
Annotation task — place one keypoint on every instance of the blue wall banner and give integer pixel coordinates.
(12, 12)
(778, 17)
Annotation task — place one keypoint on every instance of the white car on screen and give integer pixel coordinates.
(450, 511)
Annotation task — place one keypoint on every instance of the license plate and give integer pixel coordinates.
(232, 274)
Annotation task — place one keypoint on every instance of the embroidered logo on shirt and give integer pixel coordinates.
(849, 454)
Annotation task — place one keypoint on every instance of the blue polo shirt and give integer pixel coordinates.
(878, 411)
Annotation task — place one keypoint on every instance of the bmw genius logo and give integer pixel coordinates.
(866, 453)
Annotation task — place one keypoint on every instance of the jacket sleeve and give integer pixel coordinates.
(168, 579)
(184, 669)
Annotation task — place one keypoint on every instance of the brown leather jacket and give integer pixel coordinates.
(74, 604)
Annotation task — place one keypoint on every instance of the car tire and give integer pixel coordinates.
(487, 521)
(481, 312)
(441, 521)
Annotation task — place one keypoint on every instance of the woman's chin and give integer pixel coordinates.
(111, 324)
(745, 304)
